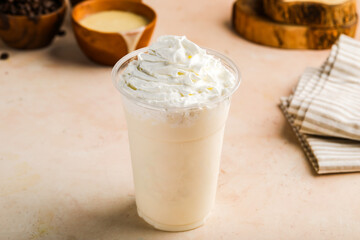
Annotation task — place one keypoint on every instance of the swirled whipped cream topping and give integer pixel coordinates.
(176, 72)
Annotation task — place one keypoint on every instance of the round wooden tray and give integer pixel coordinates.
(252, 24)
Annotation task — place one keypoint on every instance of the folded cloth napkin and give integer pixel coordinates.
(326, 154)
(324, 110)
(328, 101)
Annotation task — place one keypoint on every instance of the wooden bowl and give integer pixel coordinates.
(108, 48)
(21, 32)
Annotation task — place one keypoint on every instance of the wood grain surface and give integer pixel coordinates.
(324, 13)
(252, 24)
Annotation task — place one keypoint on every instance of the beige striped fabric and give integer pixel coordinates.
(324, 110)
(327, 101)
(326, 154)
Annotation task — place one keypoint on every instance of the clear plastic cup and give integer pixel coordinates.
(175, 154)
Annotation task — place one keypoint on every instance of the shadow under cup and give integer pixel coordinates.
(175, 154)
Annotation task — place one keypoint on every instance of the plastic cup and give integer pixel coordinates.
(175, 154)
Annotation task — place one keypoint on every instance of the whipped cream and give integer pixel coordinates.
(175, 72)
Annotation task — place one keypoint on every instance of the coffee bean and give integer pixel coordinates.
(29, 7)
(61, 33)
(4, 56)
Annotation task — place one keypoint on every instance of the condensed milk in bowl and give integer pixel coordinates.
(107, 30)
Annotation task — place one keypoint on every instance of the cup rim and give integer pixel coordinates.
(77, 21)
(143, 103)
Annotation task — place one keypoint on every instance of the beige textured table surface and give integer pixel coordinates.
(65, 170)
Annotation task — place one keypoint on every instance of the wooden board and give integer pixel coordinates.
(251, 23)
(325, 13)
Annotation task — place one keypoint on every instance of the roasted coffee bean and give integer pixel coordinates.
(61, 33)
(4, 56)
(29, 8)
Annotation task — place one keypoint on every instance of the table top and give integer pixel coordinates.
(65, 170)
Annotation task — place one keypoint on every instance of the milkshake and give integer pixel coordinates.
(176, 98)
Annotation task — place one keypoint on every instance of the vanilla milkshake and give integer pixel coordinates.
(176, 97)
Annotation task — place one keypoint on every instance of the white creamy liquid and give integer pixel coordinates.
(114, 21)
(176, 168)
(129, 25)
(176, 153)
(132, 38)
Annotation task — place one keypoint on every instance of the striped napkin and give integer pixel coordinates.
(324, 110)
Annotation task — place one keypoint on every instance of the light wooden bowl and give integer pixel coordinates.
(108, 48)
(21, 32)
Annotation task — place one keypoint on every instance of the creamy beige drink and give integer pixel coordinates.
(176, 98)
